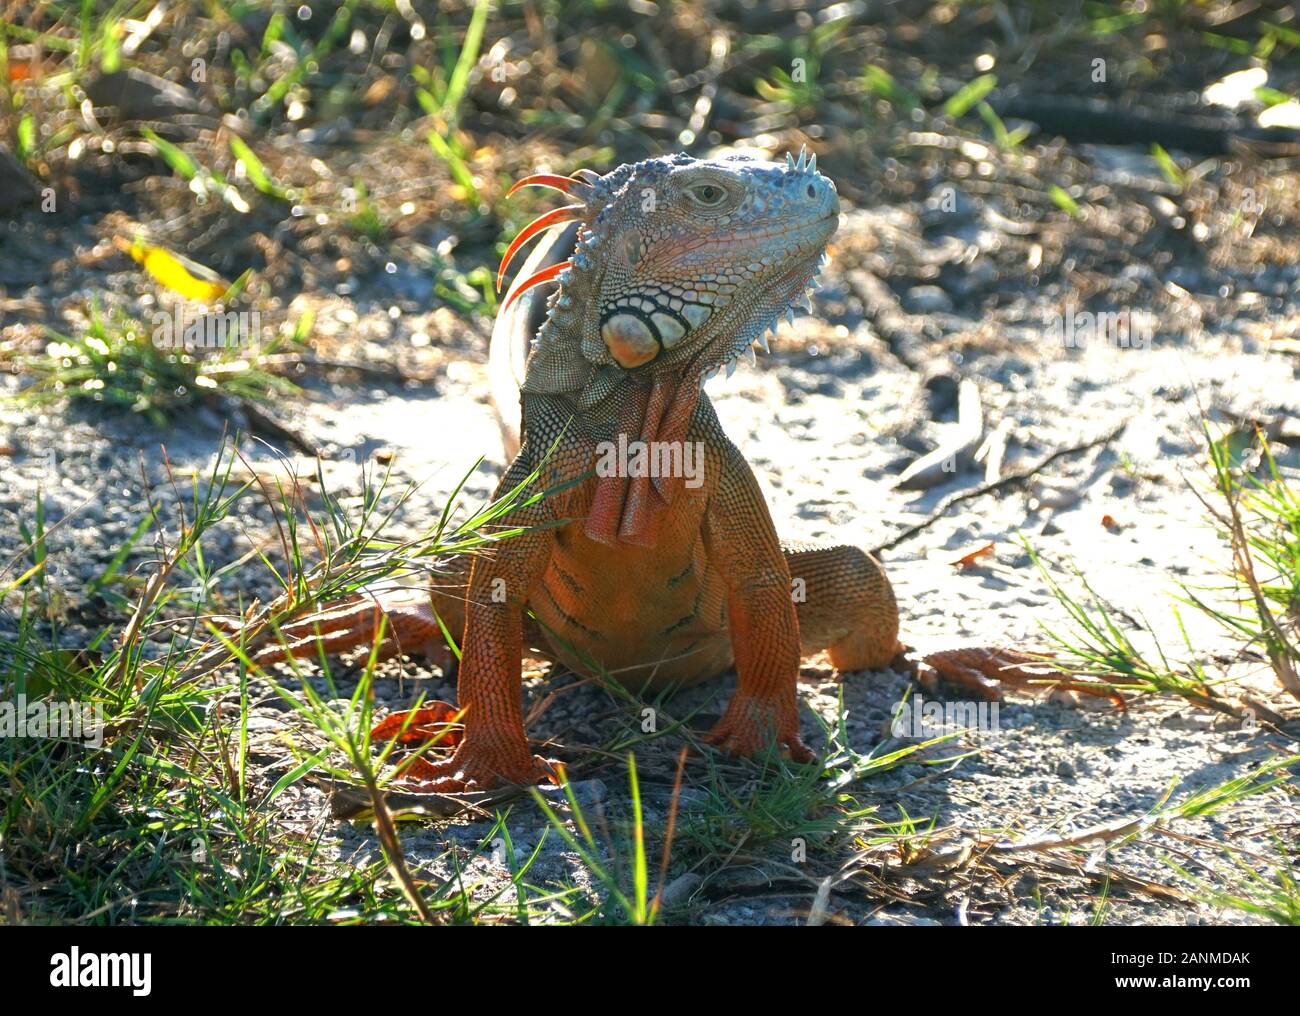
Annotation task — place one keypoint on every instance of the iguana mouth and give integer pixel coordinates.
(809, 231)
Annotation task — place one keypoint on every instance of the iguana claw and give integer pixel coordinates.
(751, 727)
(473, 769)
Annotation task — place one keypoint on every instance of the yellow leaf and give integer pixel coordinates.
(171, 271)
(25, 576)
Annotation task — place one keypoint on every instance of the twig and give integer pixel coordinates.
(283, 361)
(937, 465)
(1110, 876)
(994, 451)
(263, 423)
(1010, 480)
(719, 48)
(886, 316)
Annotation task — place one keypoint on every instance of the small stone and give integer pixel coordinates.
(17, 187)
(927, 300)
(134, 94)
(679, 890)
(940, 393)
(947, 207)
(691, 797)
(902, 920)
(589, 793)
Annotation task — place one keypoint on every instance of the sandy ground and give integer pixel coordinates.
(827, 422)
(817, 431)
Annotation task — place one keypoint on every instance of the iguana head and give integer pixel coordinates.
(682, 263)
(680, 267)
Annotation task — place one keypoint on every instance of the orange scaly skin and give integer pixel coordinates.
(679, 266)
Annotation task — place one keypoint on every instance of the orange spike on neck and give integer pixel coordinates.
(569, 213)
(559, 183)
(540, 278)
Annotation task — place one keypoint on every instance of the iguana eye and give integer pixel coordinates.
(706, 194)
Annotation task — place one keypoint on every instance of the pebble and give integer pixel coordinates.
(927, 300)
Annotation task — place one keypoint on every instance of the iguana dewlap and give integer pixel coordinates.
(679, 267)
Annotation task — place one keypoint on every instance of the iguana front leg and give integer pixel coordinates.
(495, 746)
(742, 544)
(410, 619)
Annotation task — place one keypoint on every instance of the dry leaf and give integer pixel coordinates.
(973, 559)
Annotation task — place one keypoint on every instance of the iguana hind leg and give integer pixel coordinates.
(845, 605)
(848, 609)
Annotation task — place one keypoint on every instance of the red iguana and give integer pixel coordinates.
(680, 267)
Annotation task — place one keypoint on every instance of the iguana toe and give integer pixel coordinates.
(988, 670)
(470, 769)
(751, 733)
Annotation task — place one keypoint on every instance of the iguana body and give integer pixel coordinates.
(680, 265)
